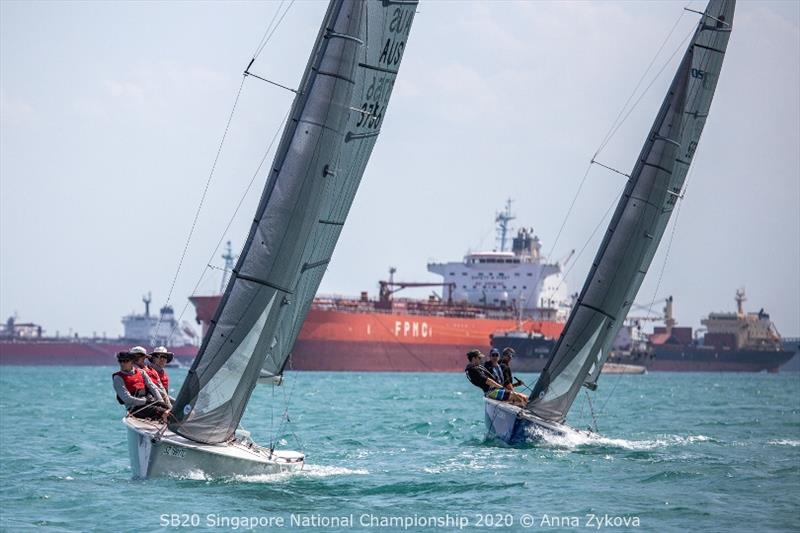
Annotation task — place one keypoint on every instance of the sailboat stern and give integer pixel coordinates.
(157, 452)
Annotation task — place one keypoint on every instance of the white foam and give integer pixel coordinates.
(785, 442)
(308, 471)
(572, 439)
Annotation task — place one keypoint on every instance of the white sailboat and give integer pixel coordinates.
(633, 235)
(334, 122)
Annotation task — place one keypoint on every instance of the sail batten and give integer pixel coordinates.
(281, 264)
(638, 224)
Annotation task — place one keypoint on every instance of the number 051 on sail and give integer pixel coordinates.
(630, 242)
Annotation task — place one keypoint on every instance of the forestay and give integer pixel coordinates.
(334, 122)
(638, 222)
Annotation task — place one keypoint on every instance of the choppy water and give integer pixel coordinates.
(712, 452)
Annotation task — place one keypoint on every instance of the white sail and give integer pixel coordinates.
(334, 122)
(639, 221)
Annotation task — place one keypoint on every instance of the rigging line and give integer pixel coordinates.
(564, 223)
(669, 244)
(591, 410)
(202, 200)
(233, 216)
(277, 25)
(611, 130)
(680, 47)
(266, 31)
(588, 241)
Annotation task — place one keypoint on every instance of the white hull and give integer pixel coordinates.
(173, 455)
(513, 425)
(623, 368)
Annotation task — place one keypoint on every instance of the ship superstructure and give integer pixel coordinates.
(519, 280)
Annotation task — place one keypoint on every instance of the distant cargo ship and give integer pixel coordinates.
(485, 292)
(733, 342)
(737, 342)
(26, 343)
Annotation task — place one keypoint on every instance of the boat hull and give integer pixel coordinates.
(512, 425)
(681, 358)
(172, 455)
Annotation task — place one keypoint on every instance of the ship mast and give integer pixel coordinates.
(229, 259)
(502, 219)
(147, 298)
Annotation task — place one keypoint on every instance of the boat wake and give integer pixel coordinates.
(575, 439)
(307, 472)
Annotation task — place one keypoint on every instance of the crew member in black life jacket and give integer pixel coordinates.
(479, 376)
(140, 357)
(509, 382)
(493, 365)
(159, 359)
(136, 391)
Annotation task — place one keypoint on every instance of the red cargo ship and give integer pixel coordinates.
(483, 293)
(357, 335)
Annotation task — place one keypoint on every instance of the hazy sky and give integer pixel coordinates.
(111, 114)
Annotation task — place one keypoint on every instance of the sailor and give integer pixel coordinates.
(505, 363)
(159, 359)
(139, 356)
(493, 365)
(479, 376)
(509, 382)
(136, 391)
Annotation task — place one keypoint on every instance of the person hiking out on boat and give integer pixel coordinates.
(509, 382)
(159, 359)
(479, 376)
(140, 355)
(136, 391)
(493, 365)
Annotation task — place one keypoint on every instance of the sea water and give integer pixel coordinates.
(407, 452)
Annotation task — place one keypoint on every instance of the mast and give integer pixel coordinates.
(229, 258)
(334, 122)
(503, 218)
(638, 223)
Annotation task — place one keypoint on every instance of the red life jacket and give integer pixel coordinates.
(162, 375)
(153, 375)
(134, 383)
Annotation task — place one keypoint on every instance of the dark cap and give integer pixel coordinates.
(125, 356)
(474, 353)
(509, 351)
(494, 352)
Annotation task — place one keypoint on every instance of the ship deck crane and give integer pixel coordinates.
(388, 288)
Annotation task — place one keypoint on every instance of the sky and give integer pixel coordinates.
(111, 115)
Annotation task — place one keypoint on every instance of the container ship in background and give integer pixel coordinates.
(733, 342)
(27, 344)
(485, 292)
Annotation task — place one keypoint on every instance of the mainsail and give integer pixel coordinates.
(638, 222)
(334, 123)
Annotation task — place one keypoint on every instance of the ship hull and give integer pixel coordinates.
(395, 342)
(78, 352)
(710, 359)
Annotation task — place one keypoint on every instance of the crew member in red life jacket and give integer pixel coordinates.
(136, 391)
(140, 355)
(159, 359)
